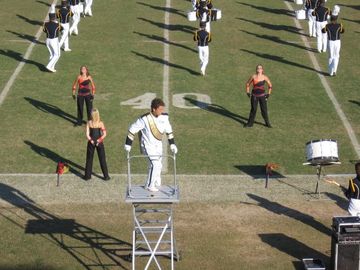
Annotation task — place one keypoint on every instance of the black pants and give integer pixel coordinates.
(263, 106)
(90, 156)
(80, 107)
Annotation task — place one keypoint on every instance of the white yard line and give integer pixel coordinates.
(328, 90)
(165, 91)
(19, 67)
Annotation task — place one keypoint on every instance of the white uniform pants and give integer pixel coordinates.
(311, 22)
(88, 4)
(54, 49)
(155, 166)
(207, 27)
(334, 55)
(354, 207)
(204, 57)
(76, 10)
(65, 36)
(321, 37)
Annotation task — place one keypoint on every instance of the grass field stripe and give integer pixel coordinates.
(19, 67)
(165, 91)
(328, 90)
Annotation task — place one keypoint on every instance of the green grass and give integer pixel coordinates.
(118, 44)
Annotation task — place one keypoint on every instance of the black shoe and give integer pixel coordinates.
(107, 178)
(334, 74)
(247, 126)
(268, 125)
(86, 178)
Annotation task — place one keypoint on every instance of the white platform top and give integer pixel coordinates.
(166, 194)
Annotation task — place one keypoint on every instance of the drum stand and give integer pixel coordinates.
(153, 232)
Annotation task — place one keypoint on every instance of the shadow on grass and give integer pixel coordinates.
(342, 202)
(163, 40)
(28, 267)
(26, 37)
(92, 247)
(214, 108)
(163, 62)
(18, 57)
(292, 247)
(171, 27)
(275, 27)
(47, 153)
(257, 171)
(279, 41)
(349, 20)
(33, 22)
(270, 10)
(356, 102)
(48, 108)
(357, 7)
(44, 3)
(283, 60)
(291, 213)
(165, 9)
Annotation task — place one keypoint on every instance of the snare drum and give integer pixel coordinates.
(322, 151)
(191, 16)
(300, 14)
(216, 14)
(299, 2)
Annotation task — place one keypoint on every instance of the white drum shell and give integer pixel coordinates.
(322, 151)
(191, 16)
(299, 2)
(218, 13)
(300, 14)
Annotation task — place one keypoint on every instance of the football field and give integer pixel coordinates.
(141, 49)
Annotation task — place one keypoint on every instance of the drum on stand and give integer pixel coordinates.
(299, 2)
(216, 14)
(322, 151)
(300, 14)
(191, 16)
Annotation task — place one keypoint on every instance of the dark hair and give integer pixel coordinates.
(87, 70)
(357, 165)
(156, 103)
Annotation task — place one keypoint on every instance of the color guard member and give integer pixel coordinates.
(258, 95)
(353, 193)
(203, 38)
(52, 29)
(333, 31)
(85, 93)
(310, 5)
(64, 14)
(152, 126)
(321, 13)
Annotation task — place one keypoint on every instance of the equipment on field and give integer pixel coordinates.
(299, 2)
(345, 243)
(191, 16)
(322, 151)
(313, 264)
(216, 14)
(153, 232)
(300, 14)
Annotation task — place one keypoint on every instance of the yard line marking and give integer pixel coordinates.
(19, 67)
(328, 90)
(165, 90)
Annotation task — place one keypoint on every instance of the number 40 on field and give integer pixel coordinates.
(182, 100)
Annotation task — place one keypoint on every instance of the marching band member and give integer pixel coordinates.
(95, 133)
(203, 3)
(321, 13)
(310, 5)
(333, 31)
(88, 5)
(204, 15)
(85, 93)
(64, 14)
(52, 29)
(76, 10)
(258, 95)
(353, 193)
(152, 126)
(203, 38)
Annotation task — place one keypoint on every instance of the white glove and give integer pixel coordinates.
(127, 148)
(173, 148)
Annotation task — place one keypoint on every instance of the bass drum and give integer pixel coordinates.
(191, 16)
(300, 14)
(322, 151)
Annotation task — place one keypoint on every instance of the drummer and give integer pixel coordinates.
(353, 193)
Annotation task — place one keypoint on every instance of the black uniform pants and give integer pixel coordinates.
(90, 156)
(263, 106)
(80, 107)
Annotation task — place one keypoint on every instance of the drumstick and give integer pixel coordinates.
(330, 181)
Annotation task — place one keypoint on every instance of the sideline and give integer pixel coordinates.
(327, 88)
(165, 90)
(20, 66)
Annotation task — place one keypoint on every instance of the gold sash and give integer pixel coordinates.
(154, 130)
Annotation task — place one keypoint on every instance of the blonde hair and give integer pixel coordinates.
(95, 118)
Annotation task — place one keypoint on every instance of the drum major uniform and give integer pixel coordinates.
(203, 39)
(333, 31)
(52, 30)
